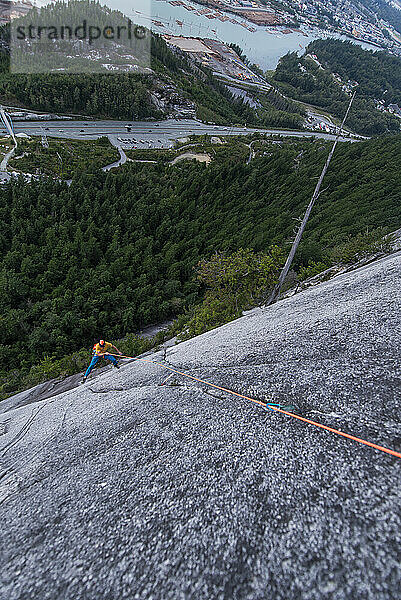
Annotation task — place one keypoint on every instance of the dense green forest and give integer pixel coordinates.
(116, 251)
(131, 95)
(62, 157)
(375, 72)
(121, 96)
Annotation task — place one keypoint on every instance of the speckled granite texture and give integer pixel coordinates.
(122, 489)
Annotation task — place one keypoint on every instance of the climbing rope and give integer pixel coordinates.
(266, 405)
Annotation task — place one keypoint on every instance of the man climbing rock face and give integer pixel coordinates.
(100, 350)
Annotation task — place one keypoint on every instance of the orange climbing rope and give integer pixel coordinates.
(267, 405)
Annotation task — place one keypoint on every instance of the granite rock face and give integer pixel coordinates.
(126, 489)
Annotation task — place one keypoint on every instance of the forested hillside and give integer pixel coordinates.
(385, 10)
(375, 72)
(115, 251)
(121, 96)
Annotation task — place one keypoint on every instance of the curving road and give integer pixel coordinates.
(121, 161)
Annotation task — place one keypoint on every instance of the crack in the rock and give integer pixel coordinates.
(5, 472)
(4, 427)
(16, 473)
(122, 389)
(213, 395)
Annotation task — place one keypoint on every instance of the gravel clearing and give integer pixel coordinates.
(122, 489)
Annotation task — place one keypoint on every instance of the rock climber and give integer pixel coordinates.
(100, 350)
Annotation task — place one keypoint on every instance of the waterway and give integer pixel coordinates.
(265, 46)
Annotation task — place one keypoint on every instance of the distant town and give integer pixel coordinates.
(344, 17)
(348, 18)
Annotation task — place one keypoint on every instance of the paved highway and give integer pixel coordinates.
(142, 134)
